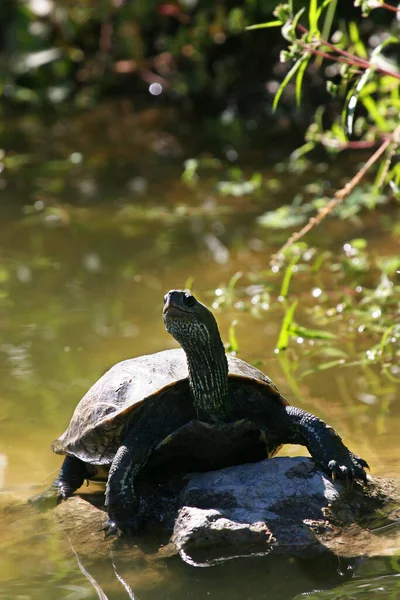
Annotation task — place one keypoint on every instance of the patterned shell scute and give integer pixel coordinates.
(95, 427)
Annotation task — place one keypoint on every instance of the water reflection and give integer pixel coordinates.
(67, 564)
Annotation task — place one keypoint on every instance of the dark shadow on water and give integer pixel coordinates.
(272, 576)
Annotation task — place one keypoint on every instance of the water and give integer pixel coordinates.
(82, 289)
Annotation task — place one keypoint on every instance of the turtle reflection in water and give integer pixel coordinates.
(195, 405)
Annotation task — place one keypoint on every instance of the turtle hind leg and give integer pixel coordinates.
(71, 476)
(323, 443)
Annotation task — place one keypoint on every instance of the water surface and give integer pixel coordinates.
(82, 288)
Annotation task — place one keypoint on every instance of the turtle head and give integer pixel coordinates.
(189, 321)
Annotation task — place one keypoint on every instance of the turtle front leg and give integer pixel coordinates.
(71, 476)
(122, 503)
(323, 443)
(126, 510)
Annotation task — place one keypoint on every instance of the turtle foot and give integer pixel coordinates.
(349, 468)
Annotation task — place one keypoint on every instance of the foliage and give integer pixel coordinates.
(351, 320)
(367, 82)
(54, 51)
(367, 78)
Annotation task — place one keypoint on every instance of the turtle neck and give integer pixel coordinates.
(208, 375)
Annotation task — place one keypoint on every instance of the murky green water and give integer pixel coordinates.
(82, 288)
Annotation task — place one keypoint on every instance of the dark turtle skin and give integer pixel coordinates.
(194, 408)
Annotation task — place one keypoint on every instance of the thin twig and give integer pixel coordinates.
(340, 195)
(389, 7)
(344, 53)
(310, 48)
(360, 144)
(395, 145)
(346, 57)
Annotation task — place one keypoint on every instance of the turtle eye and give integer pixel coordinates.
(189, 300)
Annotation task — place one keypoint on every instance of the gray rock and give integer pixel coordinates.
(221, 538)
(285, 504)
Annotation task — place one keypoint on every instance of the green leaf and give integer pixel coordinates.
(385, 336)
(322, 367)
(313, 16)
(332, 352)
(4, 274)
(189, 283)
(281, 218)
(332, 88)
(329, 17)
(373, 111)
(356, 40)
(284, 335)
(16, 161)
(289, 32)
(189, 175)
(304, 149)
(359, 243)
(288, 276)
(284, 83)
(233, 343)
(314, 334)
(380, 47)
(264, 25)
(300, 75)
(327, 26)
(233, 281)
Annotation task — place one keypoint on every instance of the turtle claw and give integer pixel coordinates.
(351, 471)
(63, 494)
(120, 529)
(362, 462)
(111, 529)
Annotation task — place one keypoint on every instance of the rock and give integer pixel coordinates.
(66, 546)
(219, 536)
(285, 504)
(84, 525)
(107, 563)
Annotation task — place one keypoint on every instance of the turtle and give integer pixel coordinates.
(195, 407)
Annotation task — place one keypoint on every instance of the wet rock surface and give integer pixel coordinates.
(65, 550)
(284, 504)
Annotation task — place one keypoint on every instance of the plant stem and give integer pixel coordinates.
(349, 55)
(310, 48)
(389, 7)
(339, 196)
(345, 57)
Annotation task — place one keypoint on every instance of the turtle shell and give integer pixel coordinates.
(98, 422)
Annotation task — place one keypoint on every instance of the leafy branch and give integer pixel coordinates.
(344, 192)
(343, 55)
(365, 80)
